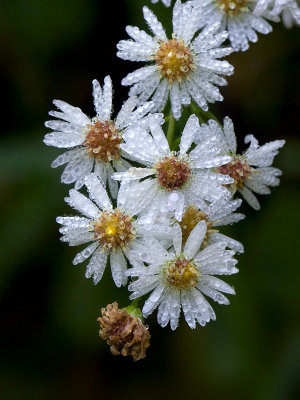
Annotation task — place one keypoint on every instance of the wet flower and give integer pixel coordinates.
(171, 179)
(94, 143)
(251, 170)
(179, 280)
(237, 17)
(125, 333)
(115, 233)
(182, 67)
(216, 215)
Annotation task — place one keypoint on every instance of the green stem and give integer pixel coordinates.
(171, 129)
(135, 302)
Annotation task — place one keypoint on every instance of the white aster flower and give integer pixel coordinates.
(180, 279)
(215, 215)
(173, 179)
(289, 10)
(181, 67)
(167, 3)
(251, 171)
(113, 232)
(237, 17)
(94, 143)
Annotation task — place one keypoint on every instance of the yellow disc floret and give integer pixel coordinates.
(172, 172)
(181, 273)
(190, 219)
(174, 59)
(103, 141)
(114, 229)
(238, 169)
(233, 7)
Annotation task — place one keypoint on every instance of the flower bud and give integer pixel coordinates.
(124, 332)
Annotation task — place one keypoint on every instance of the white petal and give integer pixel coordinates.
(83, 255)
(195, 239)
(118, 267)
(82, 204)
(97, 192)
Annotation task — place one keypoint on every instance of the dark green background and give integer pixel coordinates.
(49, 345)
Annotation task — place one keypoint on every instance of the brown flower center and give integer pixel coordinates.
(103, 141)
(114, 229)
(233, 7)
(190, 219)
(238, 169)
(172, 173)
(124, 333)
(174, 59)
(181, 274)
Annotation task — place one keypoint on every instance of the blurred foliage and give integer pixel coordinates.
(49, 339)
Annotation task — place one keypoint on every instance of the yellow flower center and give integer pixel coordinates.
(233, 7)
(103, 141)
(190, 219)
(114, 229)
(238, 169)
(181, 273)
(174, 59)
(172, 173)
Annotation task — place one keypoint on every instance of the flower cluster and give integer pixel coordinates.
(156, 198)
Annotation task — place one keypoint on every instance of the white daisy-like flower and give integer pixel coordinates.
(288, 9)
(114, 233)
(218, 214)
(167, 3)
(181, 279)
(251, 171)
(237, 17)
(94, 143)
(181, 67)
(172, 179)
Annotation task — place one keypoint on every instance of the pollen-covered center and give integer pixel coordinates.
(114, 229)
(233, 7)
(172, 173)
(238, 169)
(174, 59)
(181, 273)
(190, 219)
(103, 141)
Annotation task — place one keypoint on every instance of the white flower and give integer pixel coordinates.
(94, 143)
(251, 171)
(167, 3)
(289, 10)
(181, 67)
(114, 233)
(180, 279)
(237, 17)
(172, 179)
(215, 215)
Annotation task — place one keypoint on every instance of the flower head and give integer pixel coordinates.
(94, 143)
(237, 17)
(251, 170)
(125, 333)
(172, 179)
(216, 215)
(179, 280)
(185, 66)
(115, 233)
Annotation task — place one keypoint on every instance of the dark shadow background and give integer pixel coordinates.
(49, 346)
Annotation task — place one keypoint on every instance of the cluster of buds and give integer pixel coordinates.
(155, 198)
